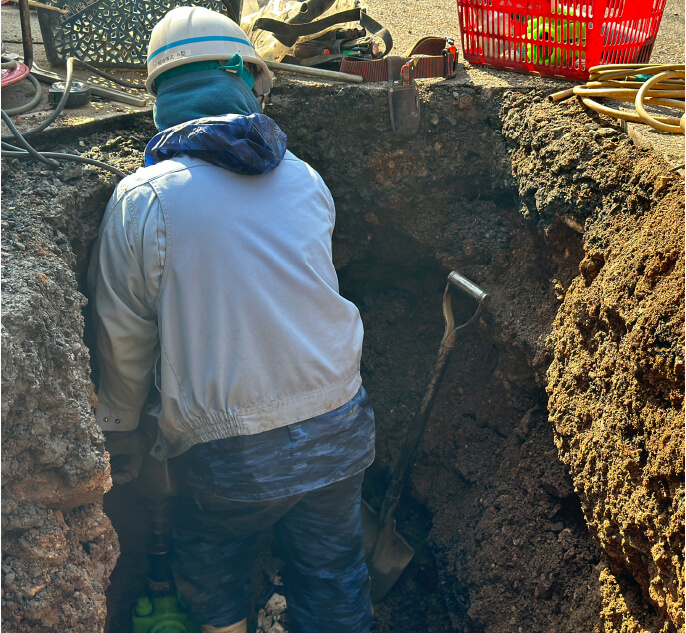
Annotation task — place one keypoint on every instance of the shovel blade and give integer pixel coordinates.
(370, 527)
(388, 553)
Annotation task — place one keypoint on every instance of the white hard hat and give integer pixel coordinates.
(194, 34)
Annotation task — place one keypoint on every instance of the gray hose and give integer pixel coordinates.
(58, 110)
(71, 157)
(47, 157)
(67, 88)
(31, 104)
(22, 141)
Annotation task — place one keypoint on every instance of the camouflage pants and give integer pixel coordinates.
(319, 534)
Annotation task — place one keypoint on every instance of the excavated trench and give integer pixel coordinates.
(550, 210)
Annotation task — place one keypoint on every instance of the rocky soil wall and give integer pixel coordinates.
(58, 547)
(616, 382)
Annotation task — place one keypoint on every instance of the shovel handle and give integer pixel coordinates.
(467, 286)
(415, 431)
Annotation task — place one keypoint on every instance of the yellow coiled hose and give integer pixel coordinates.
(621, 82)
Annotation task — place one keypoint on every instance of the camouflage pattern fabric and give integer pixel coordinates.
(304, 480)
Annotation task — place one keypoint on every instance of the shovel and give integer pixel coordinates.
(388, 553)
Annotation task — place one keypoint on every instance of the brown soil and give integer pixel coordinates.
(616, 388)
(616, 379)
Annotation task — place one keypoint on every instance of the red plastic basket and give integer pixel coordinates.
(558, 38)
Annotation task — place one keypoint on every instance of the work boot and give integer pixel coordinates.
(239, 627)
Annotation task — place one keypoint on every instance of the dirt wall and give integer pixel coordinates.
(58, 547)
(616, 381)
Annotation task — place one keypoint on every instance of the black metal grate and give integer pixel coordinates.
(109, 33)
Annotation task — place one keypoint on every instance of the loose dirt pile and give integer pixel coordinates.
(58, 547)
(617, 377)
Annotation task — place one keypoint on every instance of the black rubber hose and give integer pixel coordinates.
(30, 152)
(71, 157)
(58, 110)
(116, 80)
(96, 71)
(47, 157)
(30, 105)
(22, 141)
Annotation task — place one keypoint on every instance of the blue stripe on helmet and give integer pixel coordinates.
(193, 40)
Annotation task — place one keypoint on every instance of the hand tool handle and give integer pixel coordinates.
(315, 72)
(415, 432)
(467, 286)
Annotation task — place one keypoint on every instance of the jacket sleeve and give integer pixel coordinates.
(124, 278)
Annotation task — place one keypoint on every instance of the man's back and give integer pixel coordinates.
(238, 271)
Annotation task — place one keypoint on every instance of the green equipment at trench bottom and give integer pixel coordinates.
(163, 609)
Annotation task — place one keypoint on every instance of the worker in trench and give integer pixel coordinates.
(217, 309)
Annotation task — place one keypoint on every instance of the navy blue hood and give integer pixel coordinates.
(248, 145)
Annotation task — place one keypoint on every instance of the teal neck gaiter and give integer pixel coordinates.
(203, 89)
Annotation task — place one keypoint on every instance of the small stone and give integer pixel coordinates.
(82, 144)
(276, 604)
(606, 131)
(661, 183)
(590, 266)
(71, 172)
(434, 119)
(113, 142)
(544, 590)
(371, 217)
(556, 508)
(591, 126)
(565, 534)
(264, 621)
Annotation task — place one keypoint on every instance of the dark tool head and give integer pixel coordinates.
(79, 95)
